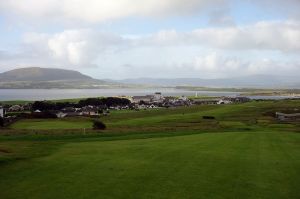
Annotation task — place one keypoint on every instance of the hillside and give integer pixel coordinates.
(41, 74)
(44, 78)
(253, 81)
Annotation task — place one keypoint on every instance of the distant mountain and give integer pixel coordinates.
(41, 74)
(44, 78)
(254, 81)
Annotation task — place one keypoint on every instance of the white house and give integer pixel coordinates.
(157, 97)
(142, 106)
(61, 115)
(153, 106)
(183, 98)
(223, 101)
(15, 108)
(89, 110)
(2, 112)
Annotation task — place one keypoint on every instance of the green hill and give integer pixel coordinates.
(44, 78)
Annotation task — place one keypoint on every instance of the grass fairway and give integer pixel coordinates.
(210, 165)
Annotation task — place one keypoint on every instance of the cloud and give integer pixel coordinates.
(72, 47)
(266, 35)
(103, 10)
(221, 17)
(82, 48)
(288, 7)
(98, 11)
(215, 65)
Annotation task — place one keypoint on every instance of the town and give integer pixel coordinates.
(94, 107)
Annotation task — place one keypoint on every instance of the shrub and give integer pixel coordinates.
(208, 117)
(1, 122)
(98, 125)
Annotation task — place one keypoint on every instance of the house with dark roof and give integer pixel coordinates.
(146, 99)
(90, 111)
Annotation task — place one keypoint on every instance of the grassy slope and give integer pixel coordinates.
(258, 160)
(212, 165)
(228, 116)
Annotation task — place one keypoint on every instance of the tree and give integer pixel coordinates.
(62, 105)
(90, 101)
(98, 125)
(43, 106)
(105, 102)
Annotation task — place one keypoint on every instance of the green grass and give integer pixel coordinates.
(163, 153)
(46, 124)
(211, 165)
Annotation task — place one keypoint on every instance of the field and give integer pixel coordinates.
(166, 153)
(44, 124)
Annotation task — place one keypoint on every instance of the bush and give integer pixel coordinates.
(208, 117)
(1, 121)
(98, 125)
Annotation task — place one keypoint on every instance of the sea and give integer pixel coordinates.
(55, 94)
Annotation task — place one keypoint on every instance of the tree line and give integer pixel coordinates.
(99, 102)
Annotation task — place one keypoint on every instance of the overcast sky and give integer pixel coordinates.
(117, 39)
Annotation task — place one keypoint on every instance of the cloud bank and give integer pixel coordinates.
(84, 48)
(95, 11)
(266, 35)
(102, 10)
(221, 47)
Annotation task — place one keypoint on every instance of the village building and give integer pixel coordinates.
(15, 108)
(152, 106)
(2, 112)
(224, 101)
(90, 111)
(242, 99)
(69, 110)
(138, 99)
(141, 106)
(169, 99)
(183, 98)
(157, 97)
(61, 115)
